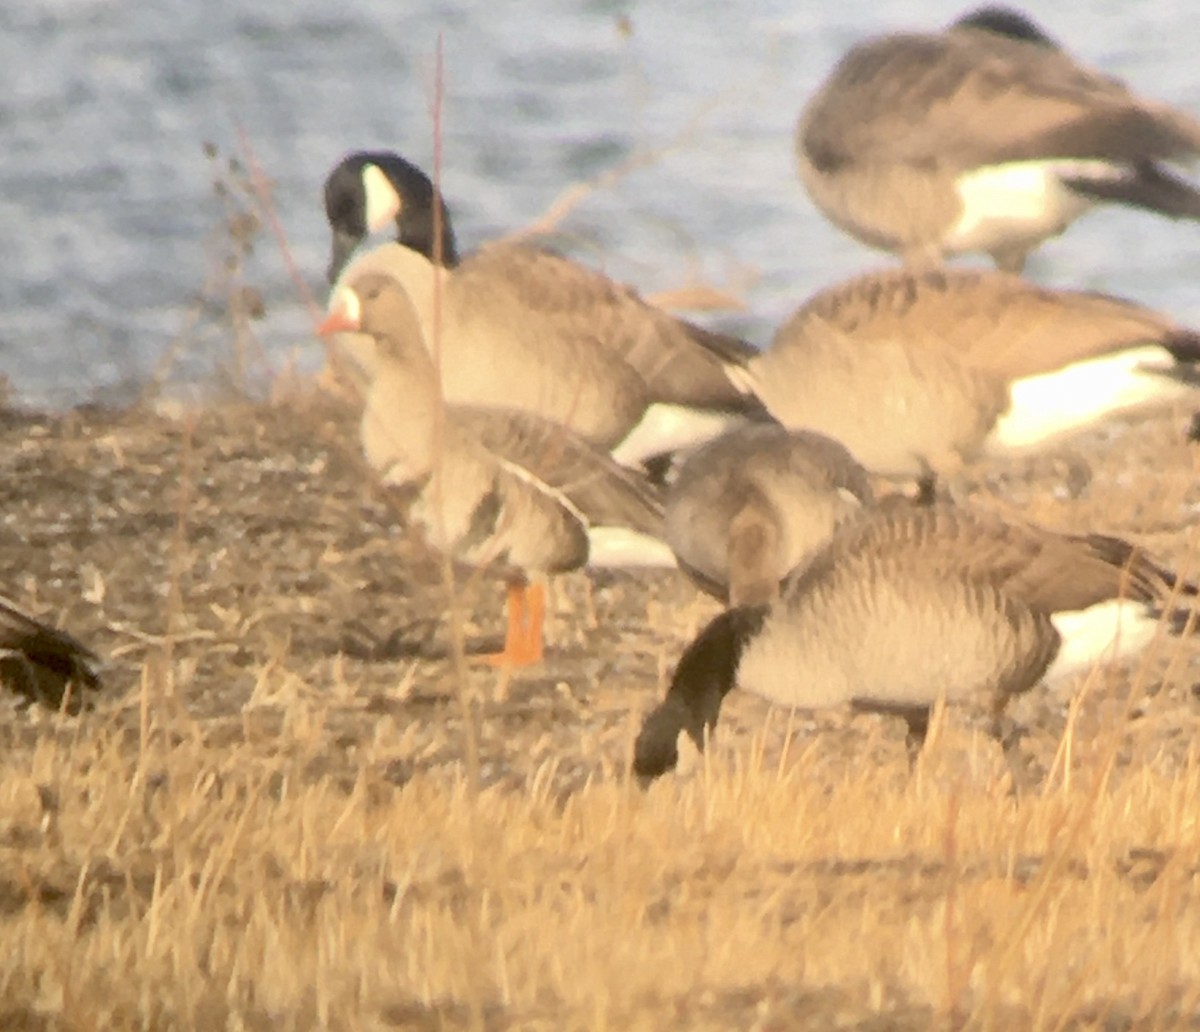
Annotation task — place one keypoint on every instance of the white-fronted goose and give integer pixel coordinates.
(493, 487)
(911, 604)
(750, 506)
(917, 372)
(41, 663)
(533, 330)
(986, 137)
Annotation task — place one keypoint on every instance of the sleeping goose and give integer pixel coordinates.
(986, 137)
(42, 663)
(917, 372)
(911, 604)
(750, 506)
(531, 329)
(494, 487)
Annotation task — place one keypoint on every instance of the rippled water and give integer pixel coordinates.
(106, 200)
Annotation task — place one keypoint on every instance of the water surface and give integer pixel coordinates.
(107, 212)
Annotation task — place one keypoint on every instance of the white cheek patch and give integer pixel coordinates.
(383, 203)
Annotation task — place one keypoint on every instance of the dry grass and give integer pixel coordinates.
(181, 884)
(265, 823)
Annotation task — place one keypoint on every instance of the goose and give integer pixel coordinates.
(40, 662)
(532, 329)
(750, 506)
(911, 604)
(497, 488)
(986, 137)
(918, 372)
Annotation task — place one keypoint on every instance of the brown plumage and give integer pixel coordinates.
(533, 330)
(42, 663)
(498, 488)
(917, 372)
(485, 358)
(901, 144)
(911, 604)
(753, 504)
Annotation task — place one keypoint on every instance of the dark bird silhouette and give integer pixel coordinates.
(43, 664)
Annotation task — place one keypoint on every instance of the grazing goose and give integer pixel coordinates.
(911, 604)
(40, 662)
(987, 137)
(533, 330)
(750, 506)
(917, 372)
(493, 487)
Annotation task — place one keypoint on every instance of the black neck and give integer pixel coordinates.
(419, 229)
(706, 673)
(423, 222)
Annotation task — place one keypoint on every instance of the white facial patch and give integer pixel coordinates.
(346, 303)
(383, 203)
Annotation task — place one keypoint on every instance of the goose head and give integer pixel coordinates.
(377, 305)
(1009, 22)
(370, 191)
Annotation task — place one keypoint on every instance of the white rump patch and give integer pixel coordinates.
(1102, 634)
(1072, 398)
(620, 546)
(665, 428)
(383, 203)
(1021, 200)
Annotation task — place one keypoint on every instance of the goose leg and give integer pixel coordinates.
(1009, 735)
(1011, 259)
(535, 597)
(917, 720)
(526, 608)
(923, 257)
(926, 493)
(1193, 434)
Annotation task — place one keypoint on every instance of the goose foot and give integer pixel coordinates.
(526, 606)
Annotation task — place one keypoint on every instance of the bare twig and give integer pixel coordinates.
(458, 649)
(261, 186)
(575, 194)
